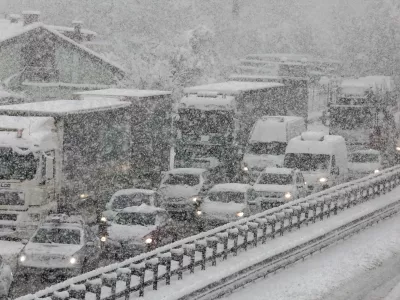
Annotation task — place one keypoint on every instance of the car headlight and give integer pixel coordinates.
(376, 171)
(240, 214)
(83, 196)
(103, 219)
(195, 198)
(22, 258)
(199, 212)
(398, 148)
(322, 179)
(148, 240)
(246, 169)
(288, 195)
(72, 260)
(103, 238)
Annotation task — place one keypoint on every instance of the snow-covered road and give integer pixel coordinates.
(364, 267)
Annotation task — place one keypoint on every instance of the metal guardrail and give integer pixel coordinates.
(182, 257)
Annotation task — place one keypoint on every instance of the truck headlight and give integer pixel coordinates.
(240, 214)
(103, 219)
(288, 195)
(195, 198)
(322, 179)
(22, 258)
(376, 171)
(246, 169)
(72, 260)
(397, 148)
(103, 238)
(148, 240)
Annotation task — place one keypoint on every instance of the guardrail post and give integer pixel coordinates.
(139, 270)
(212, 242)
(243, 231)
(280, 216)
(272, 221)
(289, 216)
(77, 291)
(263, 224)
(94, 286)
(201, 246)
(335, 200)
(305, 206)
(190, 250)
(313, 206)
(125, 274)
(110, 280)
(152, 264)
(253, 228)
(233, 234)
(165, 260)
(321, 204)
(223, 237)
(60, 295)
(328, 202)
(297, 213)
(356, 191)
(177, 255)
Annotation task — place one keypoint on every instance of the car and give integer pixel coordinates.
(276, 186)
(138, 229)
(180, 190)
(6, 278)
(62, 246)
(365, 162)
(127, 198)
(224, 203)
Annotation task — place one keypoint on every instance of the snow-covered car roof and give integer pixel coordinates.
(193, 171)
(231, 87)
(230, 187)
(366, 151)
(125, 93)
(132, 192)
(63, 221)
(63, 107)
(278, 171)
(218, 102)
(314, 146)
(143, 208)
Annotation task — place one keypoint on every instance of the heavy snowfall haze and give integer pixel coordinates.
(151, 37)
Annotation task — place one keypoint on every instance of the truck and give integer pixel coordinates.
(214, 121)
(59, 156)
(150, 128)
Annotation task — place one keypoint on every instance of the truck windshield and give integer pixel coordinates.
(136, 218)
(351, 117)
(194, 121)
(307, 161)
(182, 179)
(57, 236)
(16, 166)
(227, 197)
(123, 201)
(272, 148)
(364, 158)
(279, 179)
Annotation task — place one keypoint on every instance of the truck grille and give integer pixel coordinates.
(11, 198)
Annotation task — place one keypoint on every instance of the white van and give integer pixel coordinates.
(321, 158)
(268, 140)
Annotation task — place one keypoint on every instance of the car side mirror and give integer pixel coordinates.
(24, 241)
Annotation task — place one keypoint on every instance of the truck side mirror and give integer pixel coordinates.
(49, 168)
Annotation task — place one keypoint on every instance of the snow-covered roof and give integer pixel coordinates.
(194, 171)
(354, 87)
(367, 151)
(230, 187)
(36, 131)
(278, 170)
(72, 29)
(207, 103)
(125, 93)
(231, 87)
(132, 192)
(63, 107)
(10, 31)
(272, 129)
(297, 145)
(143, 208)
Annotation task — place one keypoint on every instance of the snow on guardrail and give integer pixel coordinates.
(171, 262)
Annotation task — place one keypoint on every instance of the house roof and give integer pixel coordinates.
(10, 32)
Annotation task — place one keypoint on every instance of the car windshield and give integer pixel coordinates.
(272, 148)
(351, 117)
(124, 201)
(182, 179)
(279, 179)
(136, 218)
(364, 158)
(57, 236)
(17, 166)
(307, 161)
(227, 197)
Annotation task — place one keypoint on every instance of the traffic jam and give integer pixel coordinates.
(76, 195)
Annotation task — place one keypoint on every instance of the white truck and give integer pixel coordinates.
(321, 158)
(268, 140)
(58, 155)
